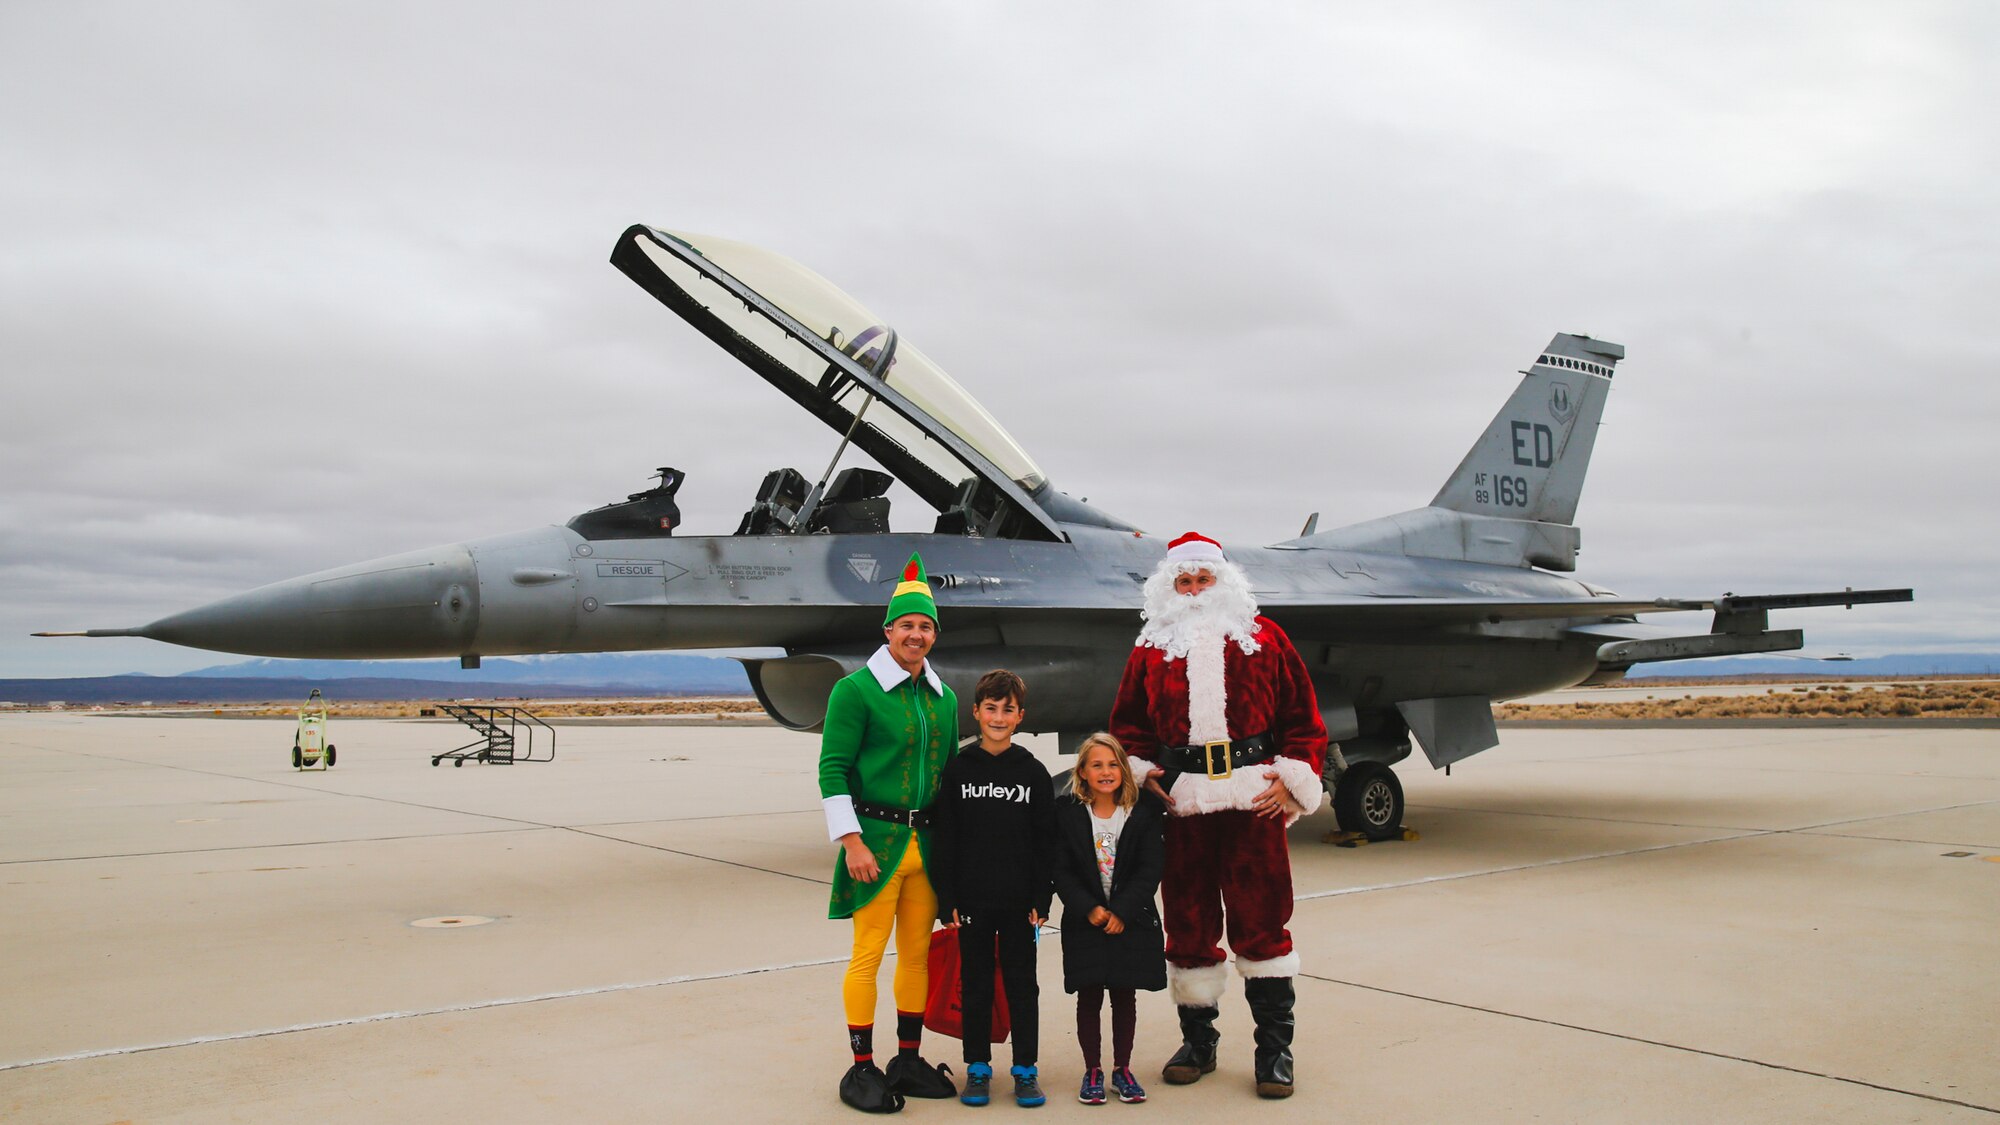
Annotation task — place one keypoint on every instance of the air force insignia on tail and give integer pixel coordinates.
(1561, 406)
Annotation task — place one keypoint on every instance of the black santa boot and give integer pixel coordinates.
(1197, 1054)
(1271, 1000)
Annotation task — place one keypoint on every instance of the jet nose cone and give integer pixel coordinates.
(425, 603)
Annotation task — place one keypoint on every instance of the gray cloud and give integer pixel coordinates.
(282, 288)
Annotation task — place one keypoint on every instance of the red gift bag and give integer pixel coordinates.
(944, 1011)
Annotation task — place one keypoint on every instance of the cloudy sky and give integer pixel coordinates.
(289, 286)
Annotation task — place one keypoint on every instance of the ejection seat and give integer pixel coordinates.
(854, 503)
(778, 500)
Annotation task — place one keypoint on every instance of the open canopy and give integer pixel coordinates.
(826, 352)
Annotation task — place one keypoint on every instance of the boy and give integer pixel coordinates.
(993, 847)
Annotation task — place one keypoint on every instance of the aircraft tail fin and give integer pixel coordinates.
(1530, 462)
(1512, 501)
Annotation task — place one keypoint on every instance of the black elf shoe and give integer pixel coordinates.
(912, 1077)
(866, 1088)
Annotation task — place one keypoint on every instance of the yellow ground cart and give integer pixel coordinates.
(310, 749)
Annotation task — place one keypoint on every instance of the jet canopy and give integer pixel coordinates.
(835, 358)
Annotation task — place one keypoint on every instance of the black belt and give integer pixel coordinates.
(913, 818)
(1217, 759)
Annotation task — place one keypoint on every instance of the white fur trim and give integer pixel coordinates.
(1286, 966)
(1208, 695)
(1197, 793)
(1197, 988)
(1305, 785)
(1196, 550)
(1143, 769)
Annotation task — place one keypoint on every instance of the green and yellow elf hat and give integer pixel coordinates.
(913, 593)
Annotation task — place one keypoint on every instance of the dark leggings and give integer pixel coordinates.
(1124, 1019)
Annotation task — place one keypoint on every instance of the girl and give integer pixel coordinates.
(1110, 850)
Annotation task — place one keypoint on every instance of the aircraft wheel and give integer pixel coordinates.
(1368, 799)
(457, 762)
(329, 756)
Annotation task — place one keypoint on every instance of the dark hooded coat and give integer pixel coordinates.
(1091, 957)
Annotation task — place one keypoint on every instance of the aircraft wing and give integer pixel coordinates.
(1733, 612)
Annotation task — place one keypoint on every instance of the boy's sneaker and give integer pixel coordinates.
(978, 1084)
(1027, 1087)
(1092, 1090)
(1128, 1087)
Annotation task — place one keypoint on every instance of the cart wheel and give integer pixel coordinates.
(298, 759)
(456, 762)
(329, 760)
(434, 763)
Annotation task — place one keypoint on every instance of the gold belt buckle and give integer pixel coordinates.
(1208, 752)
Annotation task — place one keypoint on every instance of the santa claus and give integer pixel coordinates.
(1219, 716)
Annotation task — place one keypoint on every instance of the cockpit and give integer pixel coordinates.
(847, 367)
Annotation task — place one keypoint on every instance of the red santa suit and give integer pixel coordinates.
(1195, 678)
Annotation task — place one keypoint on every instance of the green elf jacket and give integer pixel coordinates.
(886, 739)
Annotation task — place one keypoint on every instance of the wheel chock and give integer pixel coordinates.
(1341, 839)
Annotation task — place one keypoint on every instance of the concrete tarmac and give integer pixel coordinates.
(1632, 925)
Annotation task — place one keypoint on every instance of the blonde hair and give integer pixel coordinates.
(1128, 786)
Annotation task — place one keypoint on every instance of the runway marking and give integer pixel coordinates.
(323, 791)
(281, 844)
(1747, 834)
(1652, 1042)
(416, 1013)
(1558, 862)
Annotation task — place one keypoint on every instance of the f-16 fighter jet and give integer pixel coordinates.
(1411, 625)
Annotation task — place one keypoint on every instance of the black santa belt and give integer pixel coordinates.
(1217, 759)
(912, 818)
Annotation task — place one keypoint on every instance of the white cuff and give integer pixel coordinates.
(1304, 785)
(840, 818)
(1143, 768)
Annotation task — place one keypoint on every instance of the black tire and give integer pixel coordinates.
(329, 756)
(298, 757)
(457, 762)
(1368, 799)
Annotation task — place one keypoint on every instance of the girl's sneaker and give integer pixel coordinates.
(1092, 1090)
(978, 1084)
(1027, 1087)
(1127, 1086)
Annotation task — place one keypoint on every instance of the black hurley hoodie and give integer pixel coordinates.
(993, 836)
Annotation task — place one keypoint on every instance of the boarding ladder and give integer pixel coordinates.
(506, 735)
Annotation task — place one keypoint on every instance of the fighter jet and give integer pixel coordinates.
(1412, 625)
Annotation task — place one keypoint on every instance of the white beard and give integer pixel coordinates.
(1177, 623)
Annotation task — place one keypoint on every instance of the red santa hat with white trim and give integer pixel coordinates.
(1195, 547)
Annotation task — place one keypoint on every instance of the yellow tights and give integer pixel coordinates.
(908, 904)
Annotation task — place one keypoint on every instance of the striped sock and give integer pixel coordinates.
(861, 1040)
(909, 1033)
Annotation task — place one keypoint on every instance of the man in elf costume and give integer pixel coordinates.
(890, 727)
(1217, 711)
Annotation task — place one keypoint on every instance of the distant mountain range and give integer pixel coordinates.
(674, 673)
(1901, 664)
(551, 677)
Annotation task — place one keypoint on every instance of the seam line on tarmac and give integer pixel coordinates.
(525, 824)
(698, 855)
(262, 847)
(1734, 834)
(440, 1010)
(1653, 1042)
